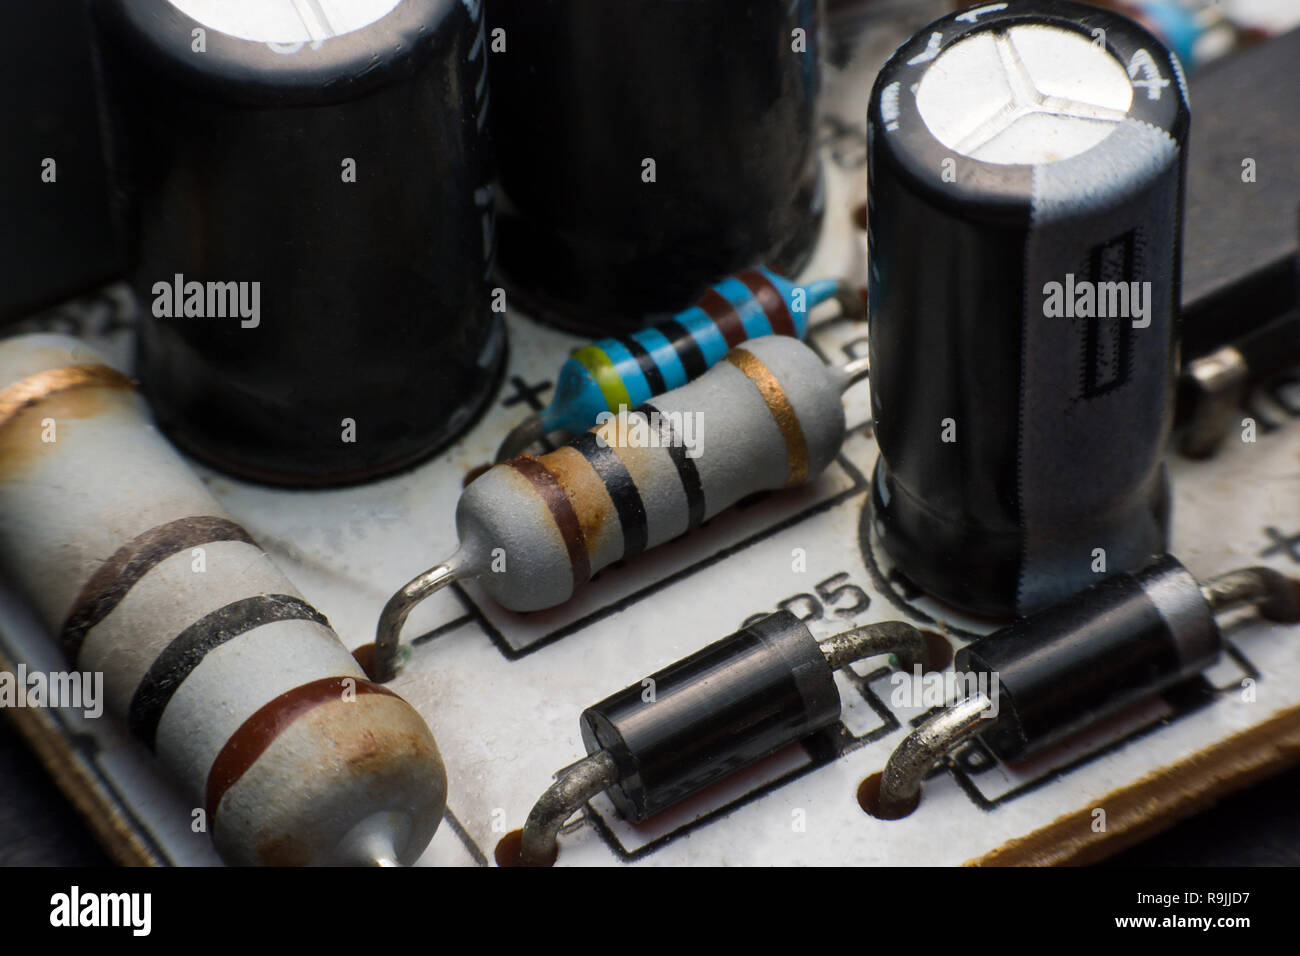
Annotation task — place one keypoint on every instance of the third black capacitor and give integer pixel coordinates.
(1026, 168)
(646, 148)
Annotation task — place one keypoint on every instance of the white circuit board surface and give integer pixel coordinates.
(502, 692)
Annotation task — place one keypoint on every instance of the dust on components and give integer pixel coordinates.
(210, 657)
(313, 274)
(692, 154)
(1077, 663)
(1025, 190)
(533, 530)
(736, 701)
(631, 369)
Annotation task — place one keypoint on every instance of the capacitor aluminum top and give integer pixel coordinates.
(312, 187)
(1025, 165)
(209, 655)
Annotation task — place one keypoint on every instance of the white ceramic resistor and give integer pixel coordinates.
(768, 416)
(209, 654)
(533, 530)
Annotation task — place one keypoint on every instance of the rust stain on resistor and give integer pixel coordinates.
(284, 851)
(259, 731)
(585, 491)
(75, 392)
(29, 391)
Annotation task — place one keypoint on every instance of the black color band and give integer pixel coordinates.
(188, 649)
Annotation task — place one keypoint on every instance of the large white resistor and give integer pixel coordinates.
(209, 654)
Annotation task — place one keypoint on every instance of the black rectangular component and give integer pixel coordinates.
(1241, 238)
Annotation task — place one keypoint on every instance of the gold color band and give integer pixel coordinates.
(796, 447)
(29, 391)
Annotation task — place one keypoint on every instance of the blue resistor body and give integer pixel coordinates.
(1177, 24)
(634, 368)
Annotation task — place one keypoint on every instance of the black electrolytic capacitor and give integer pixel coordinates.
(1026, 176)
(313, 187)
(648, 147)
(1071, 665)
(707, 715)
(62, 231)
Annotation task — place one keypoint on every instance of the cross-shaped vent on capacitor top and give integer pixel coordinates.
(1031, 93)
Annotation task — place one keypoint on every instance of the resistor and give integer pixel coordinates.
(211, 658)
(767, 417)
(631, 369)
(735, 702)
(1083, 660)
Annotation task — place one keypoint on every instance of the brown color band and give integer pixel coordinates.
(566, 519)
(724, 315)
(258, 732)
(115, 577)
(29, 391)
(796, 447)
(772, 301)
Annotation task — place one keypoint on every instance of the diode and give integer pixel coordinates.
(211, 658)
(631, 369)
(1025, 180)
(532, 530)
(736, 701)
(1083, 660)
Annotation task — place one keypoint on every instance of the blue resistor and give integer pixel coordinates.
(632, 369)
(1177, 24)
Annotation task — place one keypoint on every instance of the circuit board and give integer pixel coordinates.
(502, 691)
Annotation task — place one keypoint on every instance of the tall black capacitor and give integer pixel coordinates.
(321, 171)
(1026, 177)
(62, 232)
(721, 96)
